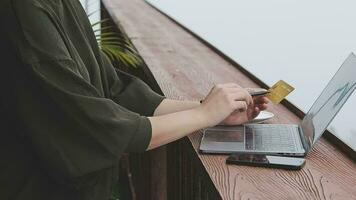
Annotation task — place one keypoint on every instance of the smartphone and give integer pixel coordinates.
(261, 160)
(259, 93)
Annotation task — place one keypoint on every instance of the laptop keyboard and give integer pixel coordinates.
(272, 138)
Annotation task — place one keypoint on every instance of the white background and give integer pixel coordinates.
(303, 42)
(92, 6)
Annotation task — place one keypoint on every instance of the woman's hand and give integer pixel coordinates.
(237, 117)
(226, 102)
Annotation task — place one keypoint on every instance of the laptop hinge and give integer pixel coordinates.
(302, 138)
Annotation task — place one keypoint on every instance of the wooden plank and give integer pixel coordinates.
(185, 68)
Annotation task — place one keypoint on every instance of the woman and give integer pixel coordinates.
(75, 115)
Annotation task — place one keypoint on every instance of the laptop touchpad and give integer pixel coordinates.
(229, 138)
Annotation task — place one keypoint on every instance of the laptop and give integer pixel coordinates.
(286, 139)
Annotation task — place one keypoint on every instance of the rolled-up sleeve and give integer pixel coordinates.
(131, 92)
(135, 95)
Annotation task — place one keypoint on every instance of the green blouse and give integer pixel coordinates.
(75, 115)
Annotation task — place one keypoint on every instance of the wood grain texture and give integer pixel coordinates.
(185, 68)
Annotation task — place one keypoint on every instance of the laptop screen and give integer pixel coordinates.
(328, 104)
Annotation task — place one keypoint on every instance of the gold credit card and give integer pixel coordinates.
(279, 91)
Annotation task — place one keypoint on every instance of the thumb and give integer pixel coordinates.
(253, 113)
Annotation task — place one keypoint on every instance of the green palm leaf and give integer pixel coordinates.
(117, 46)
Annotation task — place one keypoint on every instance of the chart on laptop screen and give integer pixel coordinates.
(302, 42)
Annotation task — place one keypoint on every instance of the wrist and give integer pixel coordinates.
(201, 116)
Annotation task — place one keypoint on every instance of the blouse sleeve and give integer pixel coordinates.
(130, 91)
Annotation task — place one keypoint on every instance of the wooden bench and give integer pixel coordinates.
(185, 68)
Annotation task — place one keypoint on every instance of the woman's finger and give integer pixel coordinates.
(262, 106)
(255, 112)
(260, 100)
(241, 94)
(241, 106)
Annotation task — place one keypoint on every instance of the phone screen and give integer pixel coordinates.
(256, 158)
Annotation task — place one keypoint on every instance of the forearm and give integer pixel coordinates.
(221, 104)
(171, 127)
(171, 106)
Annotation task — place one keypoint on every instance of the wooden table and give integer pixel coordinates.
(186, 68)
